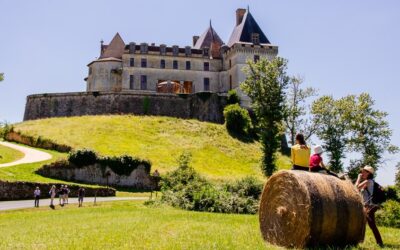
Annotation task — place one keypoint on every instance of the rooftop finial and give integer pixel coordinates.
(101, 41)
(248, 8)
(210, 23)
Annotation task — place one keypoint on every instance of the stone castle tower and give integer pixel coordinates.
(208, 65)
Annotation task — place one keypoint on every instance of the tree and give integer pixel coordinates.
(265, 85)
(1, 77)
(296, 110)
(369, 131)
(331, 128)
(397, 181)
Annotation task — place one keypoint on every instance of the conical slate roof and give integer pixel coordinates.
(243, 31)
(114, 49)
(208, 38)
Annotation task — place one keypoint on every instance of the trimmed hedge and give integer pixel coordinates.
(237, 119)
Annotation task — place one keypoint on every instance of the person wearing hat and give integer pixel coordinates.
(317, 163)
(365, 183)
(300, 153)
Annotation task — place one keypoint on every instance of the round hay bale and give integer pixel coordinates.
(303, 209)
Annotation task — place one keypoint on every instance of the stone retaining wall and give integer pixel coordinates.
(24, 190)
(203, 106)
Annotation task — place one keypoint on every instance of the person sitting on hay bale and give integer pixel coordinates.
(300, 153)
(317, 163)
(365, 183)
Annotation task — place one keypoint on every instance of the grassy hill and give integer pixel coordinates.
(215, 153)
(8, 154)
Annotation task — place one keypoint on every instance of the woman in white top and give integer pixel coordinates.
(365, 183)
(52, 194)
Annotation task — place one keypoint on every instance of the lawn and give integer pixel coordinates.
(131, 225)
(9, 154)
(216, 154)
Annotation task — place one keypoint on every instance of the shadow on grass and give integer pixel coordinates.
(248, 138)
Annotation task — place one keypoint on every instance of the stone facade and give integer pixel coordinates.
(201, 106)
(24, 190)
(93, 174)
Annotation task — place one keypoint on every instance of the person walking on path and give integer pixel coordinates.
(52, 194)
(66, 194)
(81, 194)
(365, 184)
(300, 154)
(61, 195)
(36, 194)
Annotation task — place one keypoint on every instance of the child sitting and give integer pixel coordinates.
(316, 162)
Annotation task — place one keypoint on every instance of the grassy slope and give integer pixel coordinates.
(128, 225)
(160, 139)
(8, 154)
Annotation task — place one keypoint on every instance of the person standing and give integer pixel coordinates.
(61, 195)
(81, 194)
(66, 194)
(52, 194)
(365, 184)
(300, 154)
(36, 194)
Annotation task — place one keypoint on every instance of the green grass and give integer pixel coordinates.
(131, 225)
(216, 154)
(9, 154)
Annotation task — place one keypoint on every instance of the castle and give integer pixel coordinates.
(210, 65)
(148, 79)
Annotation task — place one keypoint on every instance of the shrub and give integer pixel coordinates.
(389, 215)
(5, 128)
(185, 188)
(123, 165)
(237, 119)
(82, 157)
(232, 97)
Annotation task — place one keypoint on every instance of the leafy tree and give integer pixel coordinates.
(1, 77)
(296, 110)
(265, 85)
(331, 128)
(369, 131)
(398, 176)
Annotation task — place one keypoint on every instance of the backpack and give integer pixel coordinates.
(378, 195)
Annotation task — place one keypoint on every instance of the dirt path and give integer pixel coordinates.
(31, 155)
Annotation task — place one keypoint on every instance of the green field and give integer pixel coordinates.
(8, 154)
(216, 154)
(131, 225)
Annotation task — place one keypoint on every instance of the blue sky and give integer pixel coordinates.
(340, 47)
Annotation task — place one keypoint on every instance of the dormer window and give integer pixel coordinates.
(163, 50)
(144, 48)
(175, 50)
(255, 38)
(206, 51)
(188, 51)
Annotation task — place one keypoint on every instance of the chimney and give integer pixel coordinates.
(239, 15)
(195, 38)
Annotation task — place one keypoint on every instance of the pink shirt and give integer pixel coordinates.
(315, 160)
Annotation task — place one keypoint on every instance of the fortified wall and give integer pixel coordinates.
(204, 106)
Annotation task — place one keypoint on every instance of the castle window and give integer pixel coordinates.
(162, 64)
(175, 50)
(143, 82)
(144, 48)
(188, 66)
(132, 48)
(163, 49)
(256, 58)
(132, 62)
(175, 64)
(206, 51)
(255, 38)
(206, 84)
(230, 63)
(131, 82)
(90, 70)
(144, 63)
(206, 66)
(188, 51)
(230, 82)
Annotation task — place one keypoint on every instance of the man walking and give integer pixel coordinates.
(81, 194)
(36, 194)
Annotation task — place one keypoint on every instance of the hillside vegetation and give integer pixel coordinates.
(8, 154)
(215, 153)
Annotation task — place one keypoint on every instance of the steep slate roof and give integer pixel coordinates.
(114, 49)
(243, 31)
(207, 38)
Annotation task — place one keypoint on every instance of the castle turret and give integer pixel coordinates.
(105, 72)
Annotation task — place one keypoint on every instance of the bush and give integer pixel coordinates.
(123, 165)
(232, 97)
(5, 128)
(389, 214)
(185, 188)
(82, 157)
(237, 119)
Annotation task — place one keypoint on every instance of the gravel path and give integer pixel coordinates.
(11, 205)
(31, 155)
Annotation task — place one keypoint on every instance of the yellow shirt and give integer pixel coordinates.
(301, 155)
